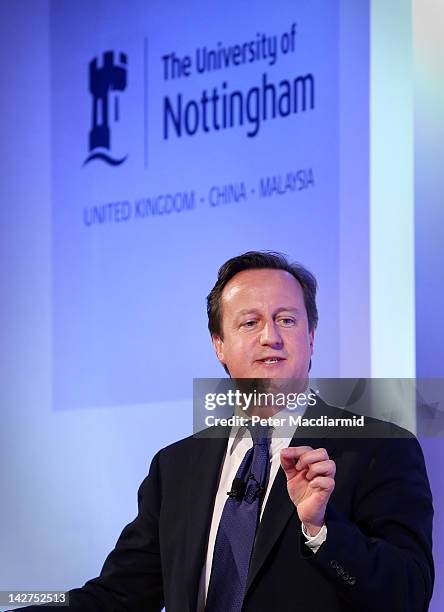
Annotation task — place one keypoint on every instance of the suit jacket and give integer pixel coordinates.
(377, 555)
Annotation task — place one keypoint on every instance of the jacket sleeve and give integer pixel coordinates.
(131, 578)
(381, 559)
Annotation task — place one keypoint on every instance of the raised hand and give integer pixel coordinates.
(310, 482)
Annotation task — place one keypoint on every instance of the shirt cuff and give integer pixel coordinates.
(314, 543)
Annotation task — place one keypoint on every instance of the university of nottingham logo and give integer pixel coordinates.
(106, 82)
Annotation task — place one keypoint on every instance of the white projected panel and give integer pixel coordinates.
(176, 146)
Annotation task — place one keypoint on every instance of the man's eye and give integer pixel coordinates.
(287, 321)
(249, 324)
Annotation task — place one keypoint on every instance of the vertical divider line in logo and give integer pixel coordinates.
(145, 102)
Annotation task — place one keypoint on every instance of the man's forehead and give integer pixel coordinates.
(265, 284)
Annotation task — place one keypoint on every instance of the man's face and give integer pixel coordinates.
(265, 326)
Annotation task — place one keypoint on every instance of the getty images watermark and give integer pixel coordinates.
(284, 403)
(327, 407)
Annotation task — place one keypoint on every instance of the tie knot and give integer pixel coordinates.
(259, 433)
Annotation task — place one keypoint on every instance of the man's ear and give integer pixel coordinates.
(311, 337)
(311, 341)
(218, 344)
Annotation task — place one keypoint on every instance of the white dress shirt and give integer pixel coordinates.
(239, 443)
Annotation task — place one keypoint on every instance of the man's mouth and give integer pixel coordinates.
(271, 360)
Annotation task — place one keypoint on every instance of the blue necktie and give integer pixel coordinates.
(237, 528)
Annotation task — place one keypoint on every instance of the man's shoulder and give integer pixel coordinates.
(347, 423)
(210, 440)
(383, 446)
(362, 433)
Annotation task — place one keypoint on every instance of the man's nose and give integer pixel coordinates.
(270, 335)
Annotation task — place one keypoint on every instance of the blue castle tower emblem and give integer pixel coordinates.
(104, 79)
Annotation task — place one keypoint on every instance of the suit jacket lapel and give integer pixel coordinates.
(280, 509)
(204, 471)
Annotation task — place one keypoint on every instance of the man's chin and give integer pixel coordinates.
(273, 384)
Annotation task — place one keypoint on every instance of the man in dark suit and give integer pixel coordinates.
(337, 524)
